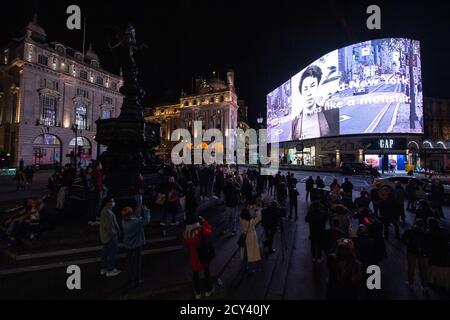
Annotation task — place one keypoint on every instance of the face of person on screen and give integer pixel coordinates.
(309, 92)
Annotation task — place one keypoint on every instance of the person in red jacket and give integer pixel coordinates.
(196, 228)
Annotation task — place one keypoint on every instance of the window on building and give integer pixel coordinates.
(113, 85)
(83, 74)
(194, 102)
(81, 115)
(99, 80)
(82, 93)
(211, 100)
(48, 116)
(222, 98)
(186, 103)
(42, 60)
(105, 113)
(107, 100)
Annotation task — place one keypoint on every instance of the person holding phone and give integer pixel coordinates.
(250, 253)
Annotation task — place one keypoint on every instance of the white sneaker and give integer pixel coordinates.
(202, 198)
(215, 197)
(31, 236)
(206, 198)
(113, 273)
(103, 272)
(162, 224)
(197, 296)
(90, 223)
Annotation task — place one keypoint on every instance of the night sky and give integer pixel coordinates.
(265, 43)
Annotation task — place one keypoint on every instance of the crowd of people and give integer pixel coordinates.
(255, 201)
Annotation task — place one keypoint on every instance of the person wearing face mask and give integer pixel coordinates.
(109, 234)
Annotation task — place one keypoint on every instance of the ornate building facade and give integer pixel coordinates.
(214, 103)
(50, 94)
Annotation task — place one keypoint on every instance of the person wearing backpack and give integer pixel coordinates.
(196, 238)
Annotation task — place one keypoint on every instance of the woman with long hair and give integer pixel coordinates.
(345, 272)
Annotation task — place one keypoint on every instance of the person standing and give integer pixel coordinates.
(139, 189)
(281, 192)
(191, 201)
(399, 196)
(347, 188)
(270, 218)
(293, 203)
(203, 177)
(411, 195)
(109, 234)
(134, 239)
(389, 212)
(231, 193)
(271, 186)
(171, 204)
(414, 239)
(335, 187)
(344, 272)
(250, 253)
(197, 229)
(317, 219)
(320, 183)
(21, 165)
(375, 198)
(437, 196)
(309, 186)
(437, 239)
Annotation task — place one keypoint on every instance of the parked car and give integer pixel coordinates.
(423, 187)
(350, 168)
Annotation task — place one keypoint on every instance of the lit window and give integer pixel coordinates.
(105, 113)
(99, 80)
(48, 116)
(81, 115)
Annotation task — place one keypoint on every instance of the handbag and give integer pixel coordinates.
(161, 199)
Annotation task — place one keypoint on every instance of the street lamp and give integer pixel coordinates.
(75, 129)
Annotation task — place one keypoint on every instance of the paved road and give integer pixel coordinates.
(287, 274)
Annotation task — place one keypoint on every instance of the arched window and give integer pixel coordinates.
(81, 115)
(48, 116)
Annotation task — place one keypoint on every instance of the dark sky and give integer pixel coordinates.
(265, 43)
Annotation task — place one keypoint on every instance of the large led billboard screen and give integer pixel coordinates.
(369, 87)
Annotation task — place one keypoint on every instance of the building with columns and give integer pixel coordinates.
(214, 102)
(50, 93)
